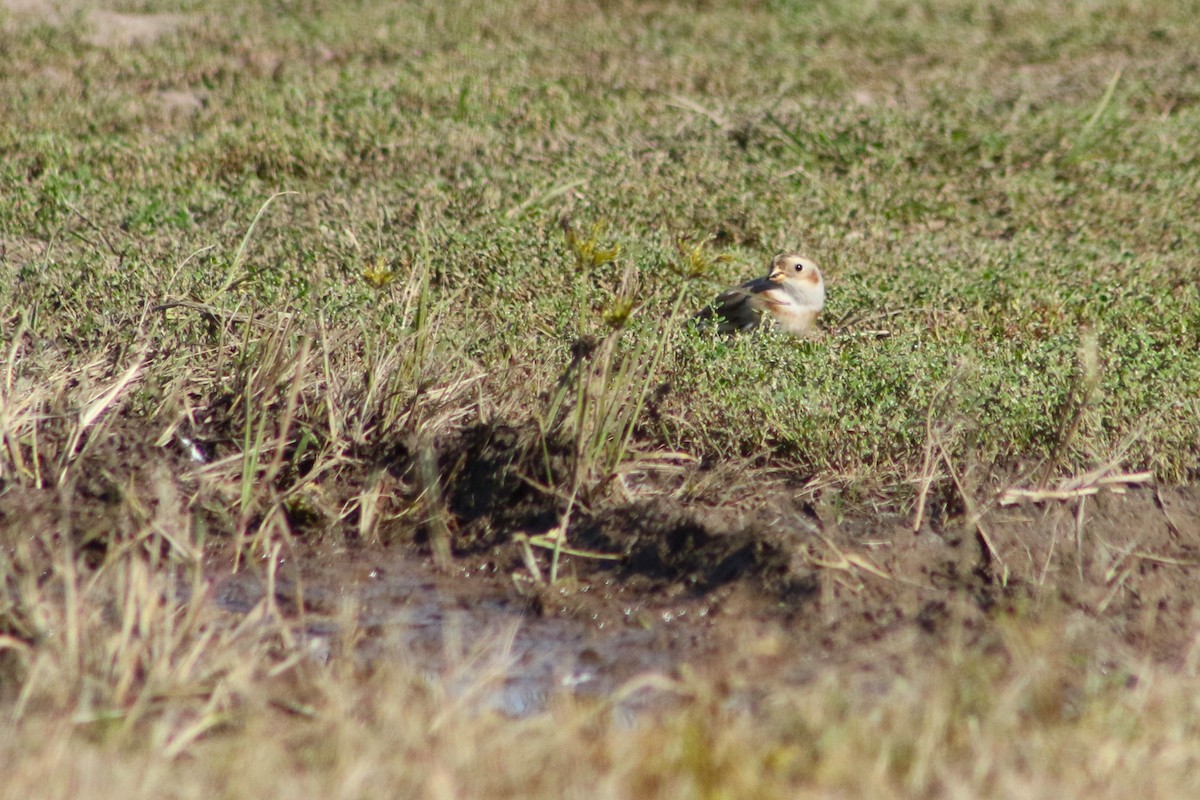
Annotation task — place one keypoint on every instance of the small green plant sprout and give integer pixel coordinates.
(590, 250)
(1093, 132)
(695, 258)
(617, 314)
(379, 275)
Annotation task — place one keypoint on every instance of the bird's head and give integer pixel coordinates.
(800, 277)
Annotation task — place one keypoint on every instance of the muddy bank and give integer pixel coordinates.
(862, 596)
(770, 585)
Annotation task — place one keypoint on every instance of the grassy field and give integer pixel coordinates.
(268, 268)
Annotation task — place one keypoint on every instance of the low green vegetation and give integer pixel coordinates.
(991, 188)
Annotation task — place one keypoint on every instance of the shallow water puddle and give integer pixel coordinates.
(475, 633)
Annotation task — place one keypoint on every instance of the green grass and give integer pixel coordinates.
(995, 182)
(1008, 190)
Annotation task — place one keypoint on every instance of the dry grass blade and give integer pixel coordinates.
(98, 406)
(19, 417)
(937, 436)
(1075, 488)
(232, 275)
(222, 315)
(436, 515)
(94, 409)
(1168, 560)
(687, 104)
(848, 562)
(554, 539)
(543, 197)
(975, 513)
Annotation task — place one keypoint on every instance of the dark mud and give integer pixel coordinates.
(774, 589)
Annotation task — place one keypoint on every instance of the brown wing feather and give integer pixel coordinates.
(739, 309)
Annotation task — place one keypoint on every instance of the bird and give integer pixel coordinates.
(792, 293)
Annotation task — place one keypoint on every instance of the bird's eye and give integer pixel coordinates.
(800, 267)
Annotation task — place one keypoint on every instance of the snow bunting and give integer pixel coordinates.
(792, 293)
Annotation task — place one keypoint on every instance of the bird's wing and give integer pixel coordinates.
(741, 309)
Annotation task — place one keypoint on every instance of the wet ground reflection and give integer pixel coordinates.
(484, 643)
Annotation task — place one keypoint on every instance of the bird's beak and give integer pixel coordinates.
(776, 276)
